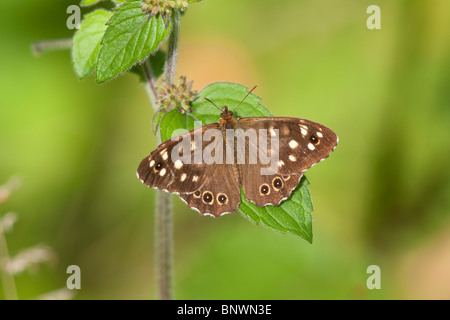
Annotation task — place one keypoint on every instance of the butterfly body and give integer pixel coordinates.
(265, 156)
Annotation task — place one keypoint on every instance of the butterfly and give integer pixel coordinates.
(265, 156)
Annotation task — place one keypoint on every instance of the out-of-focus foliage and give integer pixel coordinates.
(382, 198)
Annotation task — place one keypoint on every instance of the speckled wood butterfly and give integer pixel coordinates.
(266, 156)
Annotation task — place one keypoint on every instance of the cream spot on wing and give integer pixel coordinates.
(280, 163)
(164, 154)
(272, 131)
(162, 172)
(178, 164)
(304, 132)
(183, 177)
(293, 144)
(152, 163)
(292, 158)
(319, 134)
(311, 146)
(195, 178)
(303, 129)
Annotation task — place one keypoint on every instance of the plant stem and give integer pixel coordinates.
(163, 216)
(164, 245)
(39, 47)
(163, 224)
(172, 55)
(150, 88)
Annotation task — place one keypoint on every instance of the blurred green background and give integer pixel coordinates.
(382, 198)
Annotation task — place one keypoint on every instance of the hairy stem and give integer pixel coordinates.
(164, 245)
(39, 47)
(172, 55)
(163, 216)
(150, 87)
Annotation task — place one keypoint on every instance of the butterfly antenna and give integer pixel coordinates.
(245, 97)
(213, 103)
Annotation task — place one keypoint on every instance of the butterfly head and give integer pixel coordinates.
(226, 114)
(227, 118)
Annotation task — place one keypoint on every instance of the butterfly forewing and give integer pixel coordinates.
(301, 143)
(163, 171)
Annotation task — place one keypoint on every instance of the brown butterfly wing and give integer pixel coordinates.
(267, 189)
(219, 194)
(296, 151)
(162, 171)
(302, 143)
(208, 188)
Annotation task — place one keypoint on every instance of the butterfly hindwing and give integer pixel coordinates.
(265, 190)
(218, 195)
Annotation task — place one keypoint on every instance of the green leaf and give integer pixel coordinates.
(86, 42)
(293, 215)
(130, 38)
(227, 94)
(174, 121)
(221, 93)
(87, 3)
